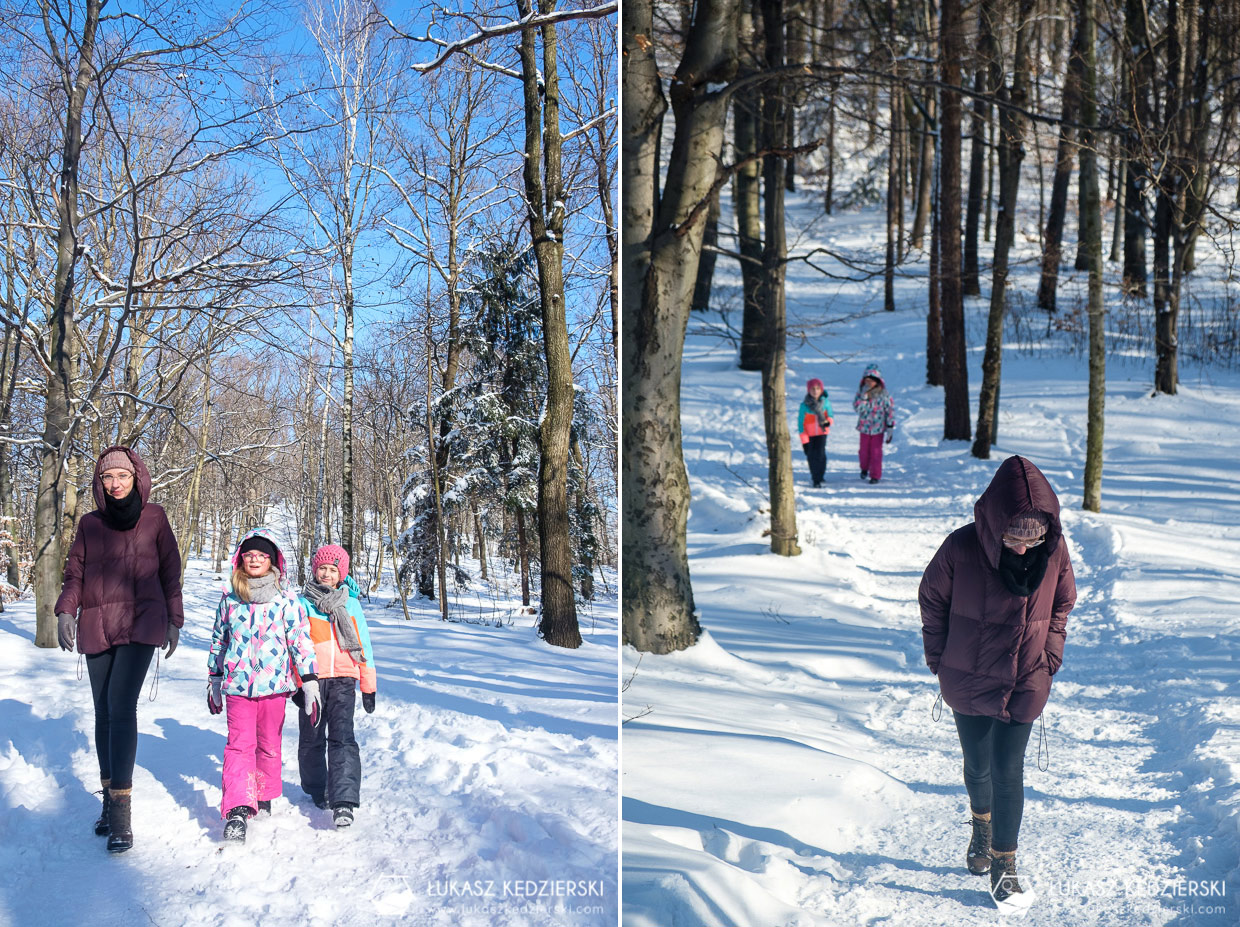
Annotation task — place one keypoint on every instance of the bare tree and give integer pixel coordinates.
(662, 242)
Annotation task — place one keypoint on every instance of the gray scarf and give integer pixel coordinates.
(265, 588)
(815, 406)
(334, 603)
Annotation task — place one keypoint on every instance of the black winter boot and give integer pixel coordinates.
(342, 815)
(235, 826)
(101, 825)
(1003, 882)
(977, 857)
(264, 806)
(120, 828)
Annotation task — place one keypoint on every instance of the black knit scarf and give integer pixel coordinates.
(122, 514)
(1022, 573)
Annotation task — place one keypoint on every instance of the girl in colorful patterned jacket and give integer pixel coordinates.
(327, 754)
(876, 418)
(260, 652)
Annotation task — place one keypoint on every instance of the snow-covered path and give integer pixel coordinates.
(489, 772)
(789, 770)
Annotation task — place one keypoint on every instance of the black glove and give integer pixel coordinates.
(368, 702)
(66, 630)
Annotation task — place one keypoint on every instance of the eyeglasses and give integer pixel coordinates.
(1018, 542)
(256, 554)
(123, 478)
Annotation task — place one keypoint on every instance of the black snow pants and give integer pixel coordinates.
(994, 772)
(116, 678)
(327, 755)
(816, 453)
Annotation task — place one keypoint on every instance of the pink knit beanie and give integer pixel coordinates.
(331, 553)
(1027, 527)
(814, 382)
(115, 460)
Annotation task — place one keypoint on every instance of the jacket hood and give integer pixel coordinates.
(141, 476)
(1017, 488)
(279, 563)
(873, 371)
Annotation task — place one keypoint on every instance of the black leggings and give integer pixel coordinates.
(816, 453)
(116, 678)
(995, 751)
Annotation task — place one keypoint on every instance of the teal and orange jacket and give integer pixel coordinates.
(331, 660)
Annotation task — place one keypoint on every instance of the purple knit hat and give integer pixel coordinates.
(1027, 527)
(814, 382)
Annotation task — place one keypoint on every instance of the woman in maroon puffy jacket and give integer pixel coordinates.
(120, 600)
(994, 609)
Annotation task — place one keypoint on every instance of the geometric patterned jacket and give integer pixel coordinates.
(261, 649)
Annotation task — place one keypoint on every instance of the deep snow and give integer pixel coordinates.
(489, 772)
(787, 769)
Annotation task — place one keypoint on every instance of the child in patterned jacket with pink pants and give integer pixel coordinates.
(876, 420)
(260, 649)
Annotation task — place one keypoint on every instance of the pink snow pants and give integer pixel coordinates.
(871, 454)
(252, 756)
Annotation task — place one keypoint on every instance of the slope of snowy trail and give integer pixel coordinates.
(788, 770)
(488, 790)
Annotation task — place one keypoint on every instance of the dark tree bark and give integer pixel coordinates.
(925, 173)
(1011, 153)
(955, 360)
(747, 201)
(1091, 234)
(1140, 78)
(59, 419)
(774, 413)
(706, 266)
(985, 84)
(1052, 246)
(544, 193)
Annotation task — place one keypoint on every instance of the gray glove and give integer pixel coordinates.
(66, 630)
(174, 637)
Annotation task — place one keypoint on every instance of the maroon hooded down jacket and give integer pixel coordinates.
(994, 651)
(127, 584)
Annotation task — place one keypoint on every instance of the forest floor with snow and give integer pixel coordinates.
(788, 769)
(489, 788)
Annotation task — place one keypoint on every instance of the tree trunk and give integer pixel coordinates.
(58, 417)
(774, 413)
(1091, 233)
(545, 197)
(1052, 247)
(985, 85)
(893, 195)
(523, 557)
(925, 174)
(955, 357)
(1140, 86)
(1011, 153)
(747, 200)
(1117, 230)
(706, 266)
(663, 242)
(346, 414)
